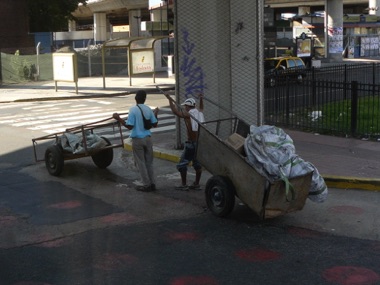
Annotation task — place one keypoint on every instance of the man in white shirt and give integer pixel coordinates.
(191, 116)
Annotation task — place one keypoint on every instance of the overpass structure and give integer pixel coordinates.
(102, 15)
(303, 3)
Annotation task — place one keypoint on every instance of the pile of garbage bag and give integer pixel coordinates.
(74, 143)
(272, 153)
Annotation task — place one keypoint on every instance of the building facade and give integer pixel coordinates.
(359, 23)
(285, 21)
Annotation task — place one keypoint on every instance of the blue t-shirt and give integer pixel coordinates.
(135, 119)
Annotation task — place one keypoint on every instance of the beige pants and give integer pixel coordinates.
(143, 156)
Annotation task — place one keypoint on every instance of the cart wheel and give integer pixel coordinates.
(220, 196)
(103, 158)
(54, 160)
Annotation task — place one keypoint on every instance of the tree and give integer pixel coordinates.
(51, 15)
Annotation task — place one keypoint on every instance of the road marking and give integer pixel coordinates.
(57, 117)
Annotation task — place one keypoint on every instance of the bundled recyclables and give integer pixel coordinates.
(272, 153)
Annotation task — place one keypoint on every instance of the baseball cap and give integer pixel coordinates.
(189, 102)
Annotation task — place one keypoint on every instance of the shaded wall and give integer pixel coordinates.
(14, 30)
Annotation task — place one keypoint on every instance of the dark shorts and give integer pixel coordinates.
(188, 155)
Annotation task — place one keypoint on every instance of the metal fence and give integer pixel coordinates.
(349, 109)
(365, 72)
(21, 68)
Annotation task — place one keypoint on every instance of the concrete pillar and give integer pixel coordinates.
(247, 53)
(158, 15)
(334, 30)
(72, 25)
(170, 66)
(303, 10)
(219, 51)
(374, 7)
(134, 23)
(100, 27)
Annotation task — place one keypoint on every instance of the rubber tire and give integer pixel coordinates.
(220, 196)
(103, 158)
(54, 160)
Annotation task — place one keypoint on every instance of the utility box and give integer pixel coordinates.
(65, 68)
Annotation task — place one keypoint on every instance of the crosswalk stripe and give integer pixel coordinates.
(45, 106)
(59, 116)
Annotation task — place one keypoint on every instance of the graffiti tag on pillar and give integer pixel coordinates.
(193, 73)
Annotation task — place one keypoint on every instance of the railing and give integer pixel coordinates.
(329, 107)
(362, 72)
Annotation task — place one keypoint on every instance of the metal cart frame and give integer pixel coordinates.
(233, 176)
(55, 155)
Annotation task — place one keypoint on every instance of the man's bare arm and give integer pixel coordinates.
(175, 109)
(121, 121)
(200, 96)
(155, 112)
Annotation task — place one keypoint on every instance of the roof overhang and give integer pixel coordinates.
(133, 43)
(109, 6)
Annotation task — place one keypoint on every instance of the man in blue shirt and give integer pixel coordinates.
(142, 146)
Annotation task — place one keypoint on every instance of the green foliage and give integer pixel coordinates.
(22, 68)
(337, 115)
(51, 15)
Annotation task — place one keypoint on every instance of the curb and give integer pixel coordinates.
(343, 182)
(173, 155)
(149, 90)
(69, 97)
(340, 182)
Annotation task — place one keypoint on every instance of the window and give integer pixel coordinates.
(291, 63)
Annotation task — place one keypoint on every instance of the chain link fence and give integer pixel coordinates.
(219, 53)
(16, 68)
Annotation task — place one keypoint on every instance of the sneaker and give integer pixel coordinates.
(195, 187)
(182, 188)
(144, 188)
(153, 187)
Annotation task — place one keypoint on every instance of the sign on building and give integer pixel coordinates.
(142, 61)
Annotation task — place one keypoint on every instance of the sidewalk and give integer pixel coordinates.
(343, 162)
(87, 87)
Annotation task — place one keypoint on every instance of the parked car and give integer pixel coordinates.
(278, 70)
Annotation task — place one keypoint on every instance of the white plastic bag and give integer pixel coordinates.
(74, 143)
(272, 153)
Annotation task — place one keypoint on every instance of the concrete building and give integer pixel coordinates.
(138, 16)
(349, 24)
(351, 27)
